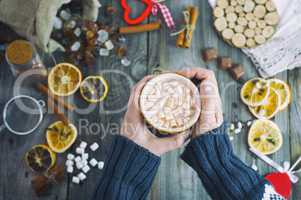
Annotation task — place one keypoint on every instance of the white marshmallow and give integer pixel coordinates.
(57, 23)
(77, 32)
(78, 159)
(83, 145)
(75, 46)
(70, 169)
(85, 162)
(125, 61)
(86, 169)
(79, 150)
(104, 52)
(71, 24)
(239, 125)
(75, 180)
(101, 165)
(109, 45)
(81, 176)
(103, 36)
(79, 165)
(93, 162)
(70, 156)
(94, 146)
(237, 131)
(85, 156)
(69, 163)
(65, 15)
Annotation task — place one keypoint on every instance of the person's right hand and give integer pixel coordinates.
(211, 116)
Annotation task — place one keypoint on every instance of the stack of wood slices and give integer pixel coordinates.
(245, 23)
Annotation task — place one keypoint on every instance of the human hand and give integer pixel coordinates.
(135, 129)
(211, 116)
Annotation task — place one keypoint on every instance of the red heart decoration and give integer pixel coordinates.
(127, 10)
(281, 182)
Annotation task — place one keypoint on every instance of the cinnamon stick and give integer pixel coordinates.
(181, 39)
(140, 28)
(44, 89)
(55, 109)
(194, 14)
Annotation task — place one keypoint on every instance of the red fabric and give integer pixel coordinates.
(281, 183)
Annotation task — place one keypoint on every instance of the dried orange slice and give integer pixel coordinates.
(94, 89)
(61, 136)
(283, 89)
(254, 92)
(269, 108)
(64, 79)
(40, 158)
(265, 136)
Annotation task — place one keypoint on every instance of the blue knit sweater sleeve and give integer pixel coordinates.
(224, 176)
(129, 172)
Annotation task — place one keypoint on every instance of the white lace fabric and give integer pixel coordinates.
(283, 51)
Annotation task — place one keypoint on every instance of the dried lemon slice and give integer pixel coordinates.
(40, 158)
(94, 89)
(64, 79)
(265, 137)
(269, 108)
(61, 136)
(254, 92)
(283, 89)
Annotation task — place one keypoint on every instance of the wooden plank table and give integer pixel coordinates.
(175, 180)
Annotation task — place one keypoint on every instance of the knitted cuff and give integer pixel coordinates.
(223, 174)
(129, 171)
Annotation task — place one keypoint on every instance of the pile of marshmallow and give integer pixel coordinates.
(81, 162)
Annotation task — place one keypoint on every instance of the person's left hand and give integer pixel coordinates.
(135, 129)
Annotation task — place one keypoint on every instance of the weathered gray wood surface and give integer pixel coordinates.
(175, 180)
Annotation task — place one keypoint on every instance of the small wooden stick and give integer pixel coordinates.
(140, 28)
(180, 39)
(44, 89)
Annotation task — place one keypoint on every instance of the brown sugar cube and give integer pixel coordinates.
(224, 62)
(237, 71)
(209, 54)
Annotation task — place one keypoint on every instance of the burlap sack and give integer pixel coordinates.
(33, 19)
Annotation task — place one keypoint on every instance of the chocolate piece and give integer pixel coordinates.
(237, 71)
(209, 54)
(224, 62)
